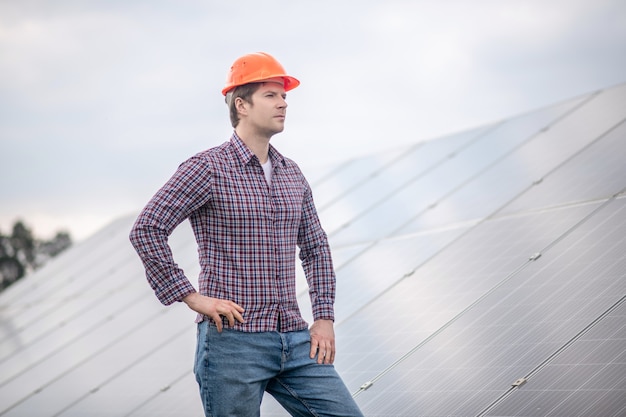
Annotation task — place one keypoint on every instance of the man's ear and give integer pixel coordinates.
(241, 106)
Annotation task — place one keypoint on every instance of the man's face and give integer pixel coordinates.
(266, 113)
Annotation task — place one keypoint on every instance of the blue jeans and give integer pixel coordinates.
(234, 369)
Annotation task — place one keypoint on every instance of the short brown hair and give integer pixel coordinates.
(244, 92)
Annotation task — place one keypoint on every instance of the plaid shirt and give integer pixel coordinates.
(246, 231)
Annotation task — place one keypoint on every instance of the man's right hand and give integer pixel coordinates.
(215, 308)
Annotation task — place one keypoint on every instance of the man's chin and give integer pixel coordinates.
(279, 129)
(273, 132)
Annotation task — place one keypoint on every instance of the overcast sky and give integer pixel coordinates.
(101, 100)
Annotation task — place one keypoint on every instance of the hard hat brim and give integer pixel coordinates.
(289, 83)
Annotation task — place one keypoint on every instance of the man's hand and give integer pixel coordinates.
(323, 341)
(215, 308)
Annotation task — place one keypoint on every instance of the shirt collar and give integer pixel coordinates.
(245, 154)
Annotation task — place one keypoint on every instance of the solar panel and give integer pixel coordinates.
(403, 317)
(179, 398)
(478, 274)
(412, 196)
(376, 178)
(515, 327)
(379, 266)
(597, 172)
(516, 171)
(586, 378)
(127, 389)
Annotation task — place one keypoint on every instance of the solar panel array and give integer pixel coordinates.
(479, 274)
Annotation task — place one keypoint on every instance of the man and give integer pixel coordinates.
(249, 208)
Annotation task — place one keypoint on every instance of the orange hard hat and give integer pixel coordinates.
(257, 67)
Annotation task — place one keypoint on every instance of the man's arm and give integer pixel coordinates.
(320, 274)
(186, 191)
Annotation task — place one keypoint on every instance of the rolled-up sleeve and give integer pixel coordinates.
(187, 190)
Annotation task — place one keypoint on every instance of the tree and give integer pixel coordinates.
(21, 252)
(58, 244)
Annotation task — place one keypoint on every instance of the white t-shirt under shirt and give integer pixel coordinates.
(267, 169)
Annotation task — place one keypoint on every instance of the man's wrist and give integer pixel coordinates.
(190, 298)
